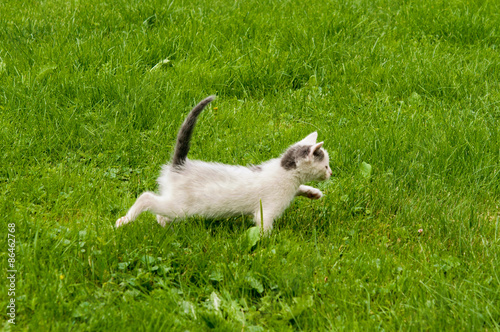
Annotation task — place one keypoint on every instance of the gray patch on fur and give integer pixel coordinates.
(293, 154)
(318, 155)
(255, 168)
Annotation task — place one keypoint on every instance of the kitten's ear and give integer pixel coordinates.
(314, 148)
(310, 139)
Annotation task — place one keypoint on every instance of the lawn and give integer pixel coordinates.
(405, 94)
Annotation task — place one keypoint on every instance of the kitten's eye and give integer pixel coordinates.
(326, 167)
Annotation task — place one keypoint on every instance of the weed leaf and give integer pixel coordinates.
(252, 236)
(366, 170)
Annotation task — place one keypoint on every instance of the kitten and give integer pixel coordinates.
(192, 187)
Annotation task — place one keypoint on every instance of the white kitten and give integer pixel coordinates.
(191, 187)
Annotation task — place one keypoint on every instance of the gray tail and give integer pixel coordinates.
(184, 136)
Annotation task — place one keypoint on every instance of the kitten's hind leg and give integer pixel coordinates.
(122, 221)
(309, 192)
(162, 220)
(147, 201)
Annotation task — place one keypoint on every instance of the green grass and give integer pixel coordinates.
(410, 87)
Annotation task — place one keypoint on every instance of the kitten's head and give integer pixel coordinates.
(308, 159)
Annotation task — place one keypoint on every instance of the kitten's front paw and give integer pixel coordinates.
(313, 193)
(122, 221)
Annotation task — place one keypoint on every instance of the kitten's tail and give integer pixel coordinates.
(184, 136)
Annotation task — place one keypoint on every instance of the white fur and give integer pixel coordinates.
(215, 190)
